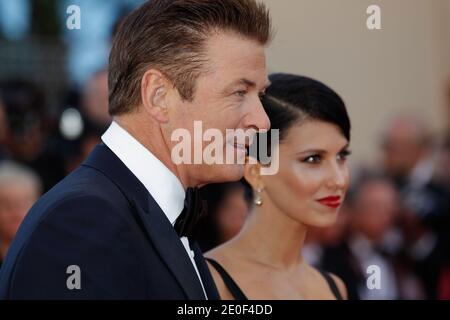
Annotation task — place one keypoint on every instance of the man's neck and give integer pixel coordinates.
(152, 138)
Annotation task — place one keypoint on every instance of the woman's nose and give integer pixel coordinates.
(339, 176)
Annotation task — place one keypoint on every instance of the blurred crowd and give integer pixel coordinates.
(396, 215)
(36, 150)
(53, 96)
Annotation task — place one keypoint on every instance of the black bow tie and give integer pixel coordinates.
(194, 209)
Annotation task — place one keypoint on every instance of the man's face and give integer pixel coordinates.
(375, 209)
(402, 148)
(227, 96)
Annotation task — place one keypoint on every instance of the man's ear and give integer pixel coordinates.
(252, 173)
(154, 88)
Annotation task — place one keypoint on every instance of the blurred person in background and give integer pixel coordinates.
(409, 158)
(27, 142)
(82, 148)
(24, 107)
(265, 260)
(321, 240)
(94, 101)
(442, 171)
(407, 151)
(228, 205)
(3, 131)
(442, 175)
(20, 187)
(81, 127)
(372, 210)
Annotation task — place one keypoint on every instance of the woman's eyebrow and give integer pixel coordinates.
(346, 146)
(321, 151)
(315, 151)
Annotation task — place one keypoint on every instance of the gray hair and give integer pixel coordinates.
(11, 172)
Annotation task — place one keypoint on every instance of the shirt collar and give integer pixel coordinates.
(160, 182)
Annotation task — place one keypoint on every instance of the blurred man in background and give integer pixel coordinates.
(407, 151)
(19, 189)
(27, 141)
(409, 160)
(3, 131)
(372, 212)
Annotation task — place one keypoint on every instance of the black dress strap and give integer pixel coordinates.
(332, 284)
(229, 282)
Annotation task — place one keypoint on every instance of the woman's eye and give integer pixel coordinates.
(312, 159)
(343, 155)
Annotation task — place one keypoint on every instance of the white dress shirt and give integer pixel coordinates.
(160, 182)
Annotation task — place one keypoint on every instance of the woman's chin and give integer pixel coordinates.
(323, 221)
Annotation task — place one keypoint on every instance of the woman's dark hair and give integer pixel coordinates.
(291, 98)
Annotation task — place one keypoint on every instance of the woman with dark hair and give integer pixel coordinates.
(264, 261)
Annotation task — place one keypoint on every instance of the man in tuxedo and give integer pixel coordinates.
(108, 230)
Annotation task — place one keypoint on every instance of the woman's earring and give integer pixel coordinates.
(258, 199)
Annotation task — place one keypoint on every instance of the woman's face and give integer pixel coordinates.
(313, 175)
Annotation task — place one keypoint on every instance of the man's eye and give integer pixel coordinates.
(312, 159)
(241, 93)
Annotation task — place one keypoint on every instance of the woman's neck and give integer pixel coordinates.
(272, 238)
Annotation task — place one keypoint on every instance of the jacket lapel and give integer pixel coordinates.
(155, 223)
(171, 250)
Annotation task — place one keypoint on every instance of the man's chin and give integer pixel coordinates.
(225, 173)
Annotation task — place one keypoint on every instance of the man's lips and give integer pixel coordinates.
(241, 147)
(331, 201)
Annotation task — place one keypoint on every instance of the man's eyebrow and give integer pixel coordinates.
(267, 85)
(252, 84)
(248, 83)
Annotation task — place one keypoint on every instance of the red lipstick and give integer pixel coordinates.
(331, 201)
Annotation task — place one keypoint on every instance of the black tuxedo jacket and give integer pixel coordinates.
(103, 221)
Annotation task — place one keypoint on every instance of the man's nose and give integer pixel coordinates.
(257, 117)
